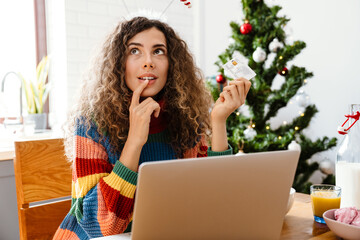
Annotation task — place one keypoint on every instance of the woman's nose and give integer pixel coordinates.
(148, 63)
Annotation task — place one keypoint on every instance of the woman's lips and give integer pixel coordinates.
(150, 81)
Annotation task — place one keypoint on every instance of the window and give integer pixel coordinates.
(17, 47)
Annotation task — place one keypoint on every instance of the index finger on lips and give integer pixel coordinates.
(137, 92)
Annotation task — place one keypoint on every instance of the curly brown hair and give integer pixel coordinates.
(105, 98)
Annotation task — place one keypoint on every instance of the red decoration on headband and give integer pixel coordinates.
(343, 130)
(186, 3)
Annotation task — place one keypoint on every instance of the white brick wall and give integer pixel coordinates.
(86, 24)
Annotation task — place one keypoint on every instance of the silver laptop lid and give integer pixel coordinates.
(226, 197)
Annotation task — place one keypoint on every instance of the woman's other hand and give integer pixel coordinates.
(140, 115)
(231, 98)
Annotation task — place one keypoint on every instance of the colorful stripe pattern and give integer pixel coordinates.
(103, 189)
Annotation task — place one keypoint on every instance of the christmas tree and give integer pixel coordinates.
(259, 36)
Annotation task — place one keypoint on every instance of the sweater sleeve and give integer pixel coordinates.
(102, 194)
(229, 151)
(204, 151)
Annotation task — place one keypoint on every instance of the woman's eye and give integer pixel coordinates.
(159, 51)
(134, 51)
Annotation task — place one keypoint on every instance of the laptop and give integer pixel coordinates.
(222, 197)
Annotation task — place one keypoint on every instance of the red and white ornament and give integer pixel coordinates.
(220, 79)
(245, 28)
(186, 3)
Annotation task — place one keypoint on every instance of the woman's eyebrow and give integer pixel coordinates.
(159, 45)
(136, 44)
(141, 45)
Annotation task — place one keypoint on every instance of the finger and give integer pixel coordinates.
(142, 107)
(245, 81)
(247, 86)
(240, 85)
(157, 111)
(137, 92)
(153, 108)
(149, 103)
(221, 98)
(226, 96)
(240, 79)
(235, 93)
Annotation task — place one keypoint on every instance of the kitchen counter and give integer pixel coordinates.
(7, 153)
(7, 149)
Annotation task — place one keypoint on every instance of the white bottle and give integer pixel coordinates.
(347, 169)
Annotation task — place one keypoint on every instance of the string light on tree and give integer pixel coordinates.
(284, 71)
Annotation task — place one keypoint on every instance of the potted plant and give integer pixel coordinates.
(36, 93)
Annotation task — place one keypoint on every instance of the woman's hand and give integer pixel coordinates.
(140, 115)
(231, 98)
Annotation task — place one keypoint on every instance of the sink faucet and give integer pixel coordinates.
(3, 86)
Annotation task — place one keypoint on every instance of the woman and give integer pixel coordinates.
(145, 100)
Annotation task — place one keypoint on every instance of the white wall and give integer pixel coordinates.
(76, 28)
(331, 30)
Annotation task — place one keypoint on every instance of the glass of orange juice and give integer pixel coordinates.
(323, 198)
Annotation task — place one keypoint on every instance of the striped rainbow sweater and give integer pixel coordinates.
(103, 189)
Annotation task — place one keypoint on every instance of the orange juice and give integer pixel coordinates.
(323, 200)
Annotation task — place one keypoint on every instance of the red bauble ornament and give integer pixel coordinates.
(284, 71)
(245, 28)
(220, 79)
